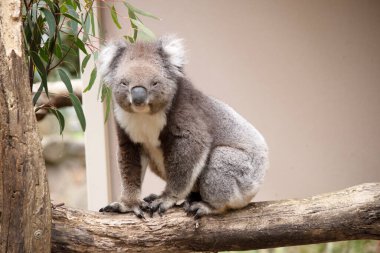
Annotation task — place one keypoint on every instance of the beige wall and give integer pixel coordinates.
(305, 73)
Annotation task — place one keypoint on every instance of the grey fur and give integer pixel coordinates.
(205, 145)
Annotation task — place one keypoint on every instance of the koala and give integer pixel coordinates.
(207, 153)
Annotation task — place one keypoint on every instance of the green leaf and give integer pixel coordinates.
(44, 54)
(114, 17)
(60, 118)
(72, 18)
(66, 80)
(34, 10)
(78, 4)
(141, 12)
(44, 84)
(92, 80)
(51, 5)
(142, 28)
(38, 94)
(38, 62)
(108, 98)
(73, 4)
(79, 111)
(132, 16)
(50, 20)
(41, 69)
(86, 29)
(85, 61)
(81, 45)
(59, 39)
(129, 38)
(63, 8)
(92, 22)
(58, 51)
(95, 54)
(70, 50)
(70, 67)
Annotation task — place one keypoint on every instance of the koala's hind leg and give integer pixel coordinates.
(231, 179)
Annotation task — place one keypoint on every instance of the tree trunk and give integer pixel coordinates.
(24, 198)
(353, 213)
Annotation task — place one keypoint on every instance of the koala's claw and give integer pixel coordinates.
(197, 209)
(114, 207)
(160, 206)
(161, 210)
(119, 207)
(152, 197)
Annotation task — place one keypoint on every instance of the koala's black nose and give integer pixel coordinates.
(139, 95)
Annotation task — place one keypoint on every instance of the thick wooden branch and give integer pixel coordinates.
(350, 214)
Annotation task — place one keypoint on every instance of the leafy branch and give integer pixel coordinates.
(54, 33)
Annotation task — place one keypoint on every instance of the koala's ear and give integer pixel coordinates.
(174, 49)
(109, 58)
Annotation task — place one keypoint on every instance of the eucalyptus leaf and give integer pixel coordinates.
(107, 97)
(141, 12)
(38, 62)
(132, 16)
(81, 45)
(73, 22)
(44, 53)
(63, 8)
(50, 20)
(58, 51)
(51, 5)
(79, 111)
(114, 17)
(41, 69)
(86, 28)
(92, 80)
(78, 4)
(66, 80)
(92, 22)
(85, 61)
(60, 118)
(37, 94)
(71, 3)
(142, 28)
(67, 15)
(129, 38)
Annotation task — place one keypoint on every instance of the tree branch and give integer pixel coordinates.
(350, 214)
(58, 97)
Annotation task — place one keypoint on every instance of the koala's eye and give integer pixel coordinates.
(154, 84)
(124, 83)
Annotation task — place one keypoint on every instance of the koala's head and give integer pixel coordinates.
(143, 75)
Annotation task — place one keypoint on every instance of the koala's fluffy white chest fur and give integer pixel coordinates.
(145, 129)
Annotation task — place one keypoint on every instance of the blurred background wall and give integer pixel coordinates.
(305, 73)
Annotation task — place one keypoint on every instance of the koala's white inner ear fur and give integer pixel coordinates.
(107, 57)
(175, 49)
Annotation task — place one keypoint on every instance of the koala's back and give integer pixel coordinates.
(237, 153)
(224, 125)
(231, 129)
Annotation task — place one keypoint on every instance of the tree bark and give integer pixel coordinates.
(24, 198)
(350, 214)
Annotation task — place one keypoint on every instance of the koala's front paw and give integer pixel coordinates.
(160, 205)
(151, 198)
(120, 207)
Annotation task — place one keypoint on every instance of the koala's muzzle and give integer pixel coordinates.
(139, 95)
